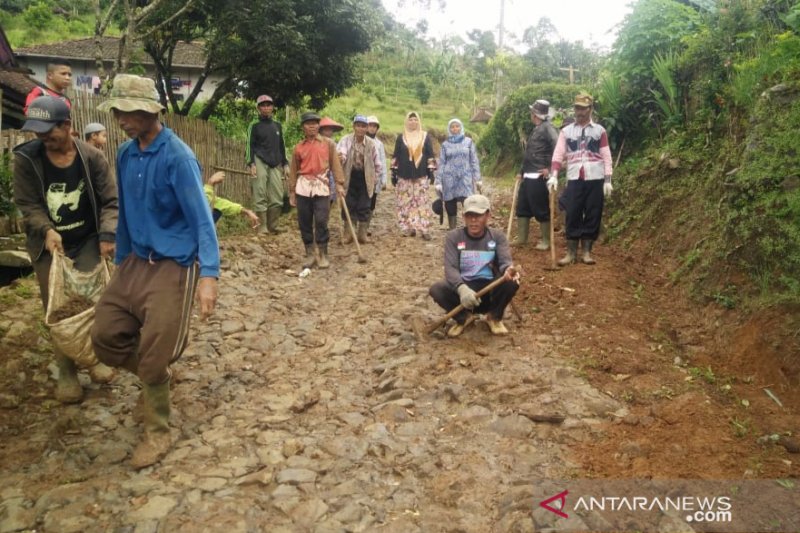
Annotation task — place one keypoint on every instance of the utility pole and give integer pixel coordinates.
(499, 76)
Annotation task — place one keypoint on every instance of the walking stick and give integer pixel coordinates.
(513, 208)
(553, 265)
(343, 206)
(421, 329)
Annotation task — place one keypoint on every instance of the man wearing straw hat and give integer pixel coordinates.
(165, 242)
(68, 200)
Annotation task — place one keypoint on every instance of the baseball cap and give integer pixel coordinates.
(477, 203)
(94, 127)
(372, 119)
(44, 113)
(360, 118)
(264, 98)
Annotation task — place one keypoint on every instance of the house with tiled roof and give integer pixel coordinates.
(15, 84)
(187, 63)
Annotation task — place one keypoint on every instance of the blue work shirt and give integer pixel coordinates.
(163, 212)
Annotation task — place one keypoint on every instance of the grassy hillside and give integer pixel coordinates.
(36, 26)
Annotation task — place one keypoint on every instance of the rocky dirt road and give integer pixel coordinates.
(308, 404)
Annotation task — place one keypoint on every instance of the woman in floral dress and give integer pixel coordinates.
(413, 167)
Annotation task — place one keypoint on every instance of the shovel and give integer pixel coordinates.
(553, 265)
(421, 330)
(513, 209)
(343, 206)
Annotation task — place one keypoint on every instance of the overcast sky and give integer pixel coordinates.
(590, 21)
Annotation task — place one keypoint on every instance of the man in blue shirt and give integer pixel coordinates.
(165, 241)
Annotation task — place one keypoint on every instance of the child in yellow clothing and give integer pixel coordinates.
(221, 206)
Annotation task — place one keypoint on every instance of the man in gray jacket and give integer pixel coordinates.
(68, 201)
(474, 256)
(363, 168)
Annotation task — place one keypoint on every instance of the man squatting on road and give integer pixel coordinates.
(165, 229)
(474, 255)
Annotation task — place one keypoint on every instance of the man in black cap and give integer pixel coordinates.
(309, 188)
(533, 195)
(68, 200)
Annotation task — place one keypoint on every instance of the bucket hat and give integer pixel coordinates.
(132, 93)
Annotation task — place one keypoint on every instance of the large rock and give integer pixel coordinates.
(156, 508)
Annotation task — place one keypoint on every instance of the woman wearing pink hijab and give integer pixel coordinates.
(413, 167)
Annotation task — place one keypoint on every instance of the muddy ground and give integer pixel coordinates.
(308, 404)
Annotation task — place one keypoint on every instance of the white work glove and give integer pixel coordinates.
(468, 298)
(607, 189)
(438, 187)
(552, 182)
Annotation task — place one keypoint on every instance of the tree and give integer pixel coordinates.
(423, 92)
(653, 28)
(543, 32)
(132, 15)
(307, 49)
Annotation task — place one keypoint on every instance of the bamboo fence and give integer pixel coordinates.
(213, 151)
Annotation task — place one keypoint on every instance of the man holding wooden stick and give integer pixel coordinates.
(584, 145)
(363, 166)
(533, 197)
(474, 255)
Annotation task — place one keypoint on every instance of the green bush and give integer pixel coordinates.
(231, 117)
(502, 140)
(38, 16)
(763, 202)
